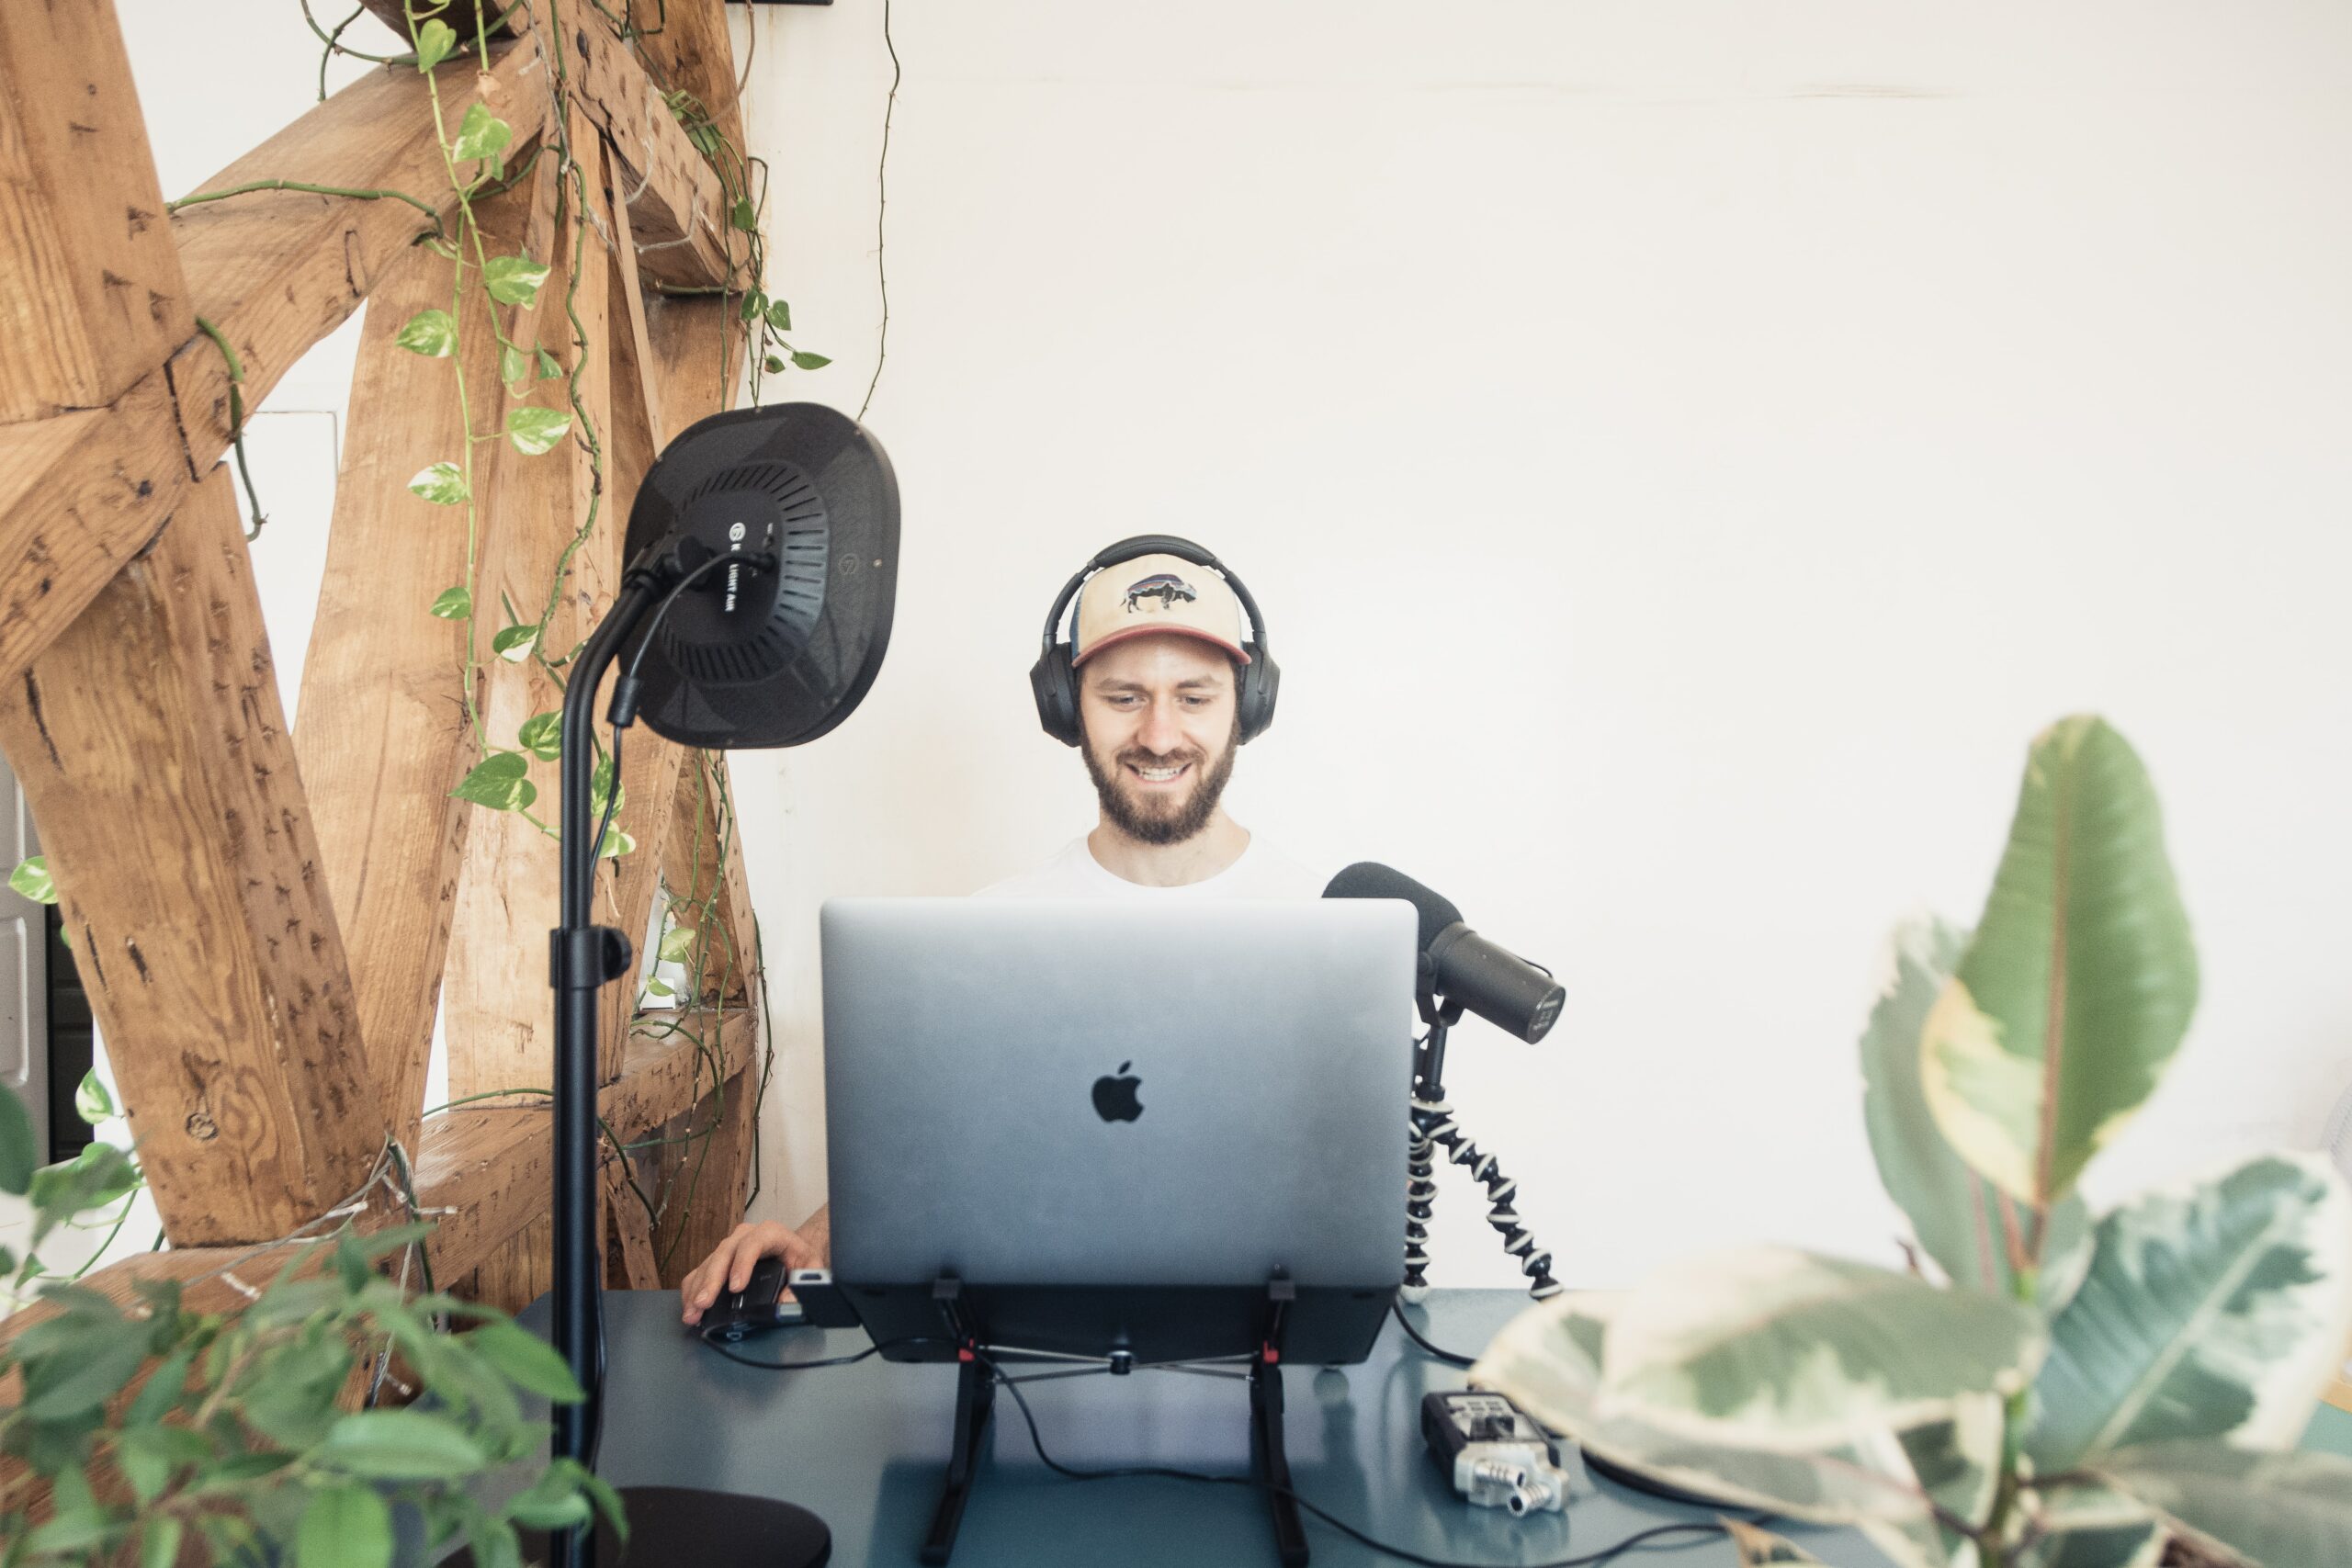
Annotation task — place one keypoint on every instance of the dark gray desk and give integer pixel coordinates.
(865, 1445)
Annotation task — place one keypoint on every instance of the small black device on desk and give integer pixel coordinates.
(755, 1308)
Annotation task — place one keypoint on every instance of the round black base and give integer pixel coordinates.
(683, 1526)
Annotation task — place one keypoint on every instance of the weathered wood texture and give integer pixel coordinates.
(276, 271)
(707, 1153)
(553, 519)
(691, 53)
(382, 729)
(152, 750)
(628, 1233)
(91, 295)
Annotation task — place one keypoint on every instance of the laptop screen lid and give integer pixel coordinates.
(1046, 1092)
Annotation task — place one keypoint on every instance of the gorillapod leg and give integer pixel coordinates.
(1433, 1128)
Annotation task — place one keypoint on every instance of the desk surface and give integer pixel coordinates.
(864, 1446)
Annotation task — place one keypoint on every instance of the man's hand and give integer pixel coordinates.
(728, 1266)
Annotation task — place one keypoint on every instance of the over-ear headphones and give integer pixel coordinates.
(1054, 680)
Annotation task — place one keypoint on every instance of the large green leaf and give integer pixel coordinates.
(1962, 1221)
(2091, 1525)
(2283, 1510)
(1548, 1360)
(2076, 988)
(2215, 1314)
(1768, 1347)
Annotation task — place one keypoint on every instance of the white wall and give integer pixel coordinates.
(1684, 451)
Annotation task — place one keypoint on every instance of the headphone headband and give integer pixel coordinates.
(1054, 679)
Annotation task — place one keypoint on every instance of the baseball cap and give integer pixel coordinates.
(1152, 594)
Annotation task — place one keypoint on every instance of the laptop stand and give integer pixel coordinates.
(976, 1381)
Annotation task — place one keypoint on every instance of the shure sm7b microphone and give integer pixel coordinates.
(1493, 982)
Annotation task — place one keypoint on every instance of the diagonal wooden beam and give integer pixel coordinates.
(277, 271)
(382, 732)
(690, 51)
(495, 999)
(152, 748)
(91, 294)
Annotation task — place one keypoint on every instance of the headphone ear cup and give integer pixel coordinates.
(1054, 683)
(1262, 680)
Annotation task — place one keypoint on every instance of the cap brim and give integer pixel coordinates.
(1162, 629)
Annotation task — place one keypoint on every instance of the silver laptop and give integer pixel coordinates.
(1076, 1093)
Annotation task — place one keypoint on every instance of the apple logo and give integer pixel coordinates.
(1114, 1098)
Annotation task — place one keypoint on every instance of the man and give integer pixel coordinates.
(1159, 659)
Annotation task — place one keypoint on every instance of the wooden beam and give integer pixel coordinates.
(152, 750)
(690, 51)
(381, 730)
(91, 293)
(491, 1168)
(277, 271)
(703, 1167)
(80, 495)
(628, 1231)
(678, 203)
(496, 1001)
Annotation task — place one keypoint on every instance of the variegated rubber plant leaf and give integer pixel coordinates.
(2216, 1313)
(2278, 1510)
(1772, 1348)
(2078, 984)
(1968, 1225)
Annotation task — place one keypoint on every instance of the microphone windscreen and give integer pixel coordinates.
(1370, 879)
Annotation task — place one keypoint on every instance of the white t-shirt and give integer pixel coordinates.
(1261, 872)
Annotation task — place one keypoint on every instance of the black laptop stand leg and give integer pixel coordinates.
(1272, 1460)
(975, 1400)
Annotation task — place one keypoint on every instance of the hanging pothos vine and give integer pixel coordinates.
(474, 162)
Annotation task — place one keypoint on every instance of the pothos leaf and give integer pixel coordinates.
(31, 879)
(549, 368)
(434, 42)
(810, 361)
(513, 280)
(498, 782)
(431, 333)
(677, 943)
(535, 430)
(454, 604)
(779, 315)
(513, 643)
(600, 787)
(542, 736)
(481, 134)
(92, 1103)
(744, 217)
(513, 365)
(616, 843)
(441, 484)
(773, 366)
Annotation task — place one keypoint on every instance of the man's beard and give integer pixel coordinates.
(1170, 822)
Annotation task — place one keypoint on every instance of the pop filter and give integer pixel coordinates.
(749, 658)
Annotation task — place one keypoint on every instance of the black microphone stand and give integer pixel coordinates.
(713, 1529)
(1434, 1127)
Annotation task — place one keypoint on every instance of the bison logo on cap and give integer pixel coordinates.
(1164, 586)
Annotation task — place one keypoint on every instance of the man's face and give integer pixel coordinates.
(1161, 726)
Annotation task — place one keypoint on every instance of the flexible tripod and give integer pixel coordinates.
(1434, 1127)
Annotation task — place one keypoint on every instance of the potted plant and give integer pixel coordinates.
(155, 1427)
(2063, 1392)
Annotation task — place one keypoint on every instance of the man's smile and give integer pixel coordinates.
(1159, 776)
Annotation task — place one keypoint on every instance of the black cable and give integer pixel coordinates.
(1448, 1357)
(706, 1337)
(1637, 1541)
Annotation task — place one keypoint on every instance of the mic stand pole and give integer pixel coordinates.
(582, 957)
(1434, 1126)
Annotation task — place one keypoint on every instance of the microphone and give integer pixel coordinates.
(1467, 970)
